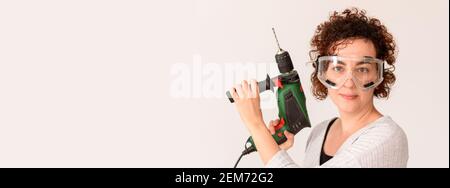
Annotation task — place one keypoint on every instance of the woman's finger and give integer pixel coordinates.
(245, 88)
(289, 142)
(254, 89)
(276, 122)
(289, 136)
(239, 91)
(271, 127)
(234, 94)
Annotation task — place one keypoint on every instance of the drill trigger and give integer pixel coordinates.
(280, 124)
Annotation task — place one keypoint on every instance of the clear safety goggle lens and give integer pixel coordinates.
(365, 72)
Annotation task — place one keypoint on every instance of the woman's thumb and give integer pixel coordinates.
(271, 127)
(288, 135)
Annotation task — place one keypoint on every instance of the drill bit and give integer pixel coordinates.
(276, 39)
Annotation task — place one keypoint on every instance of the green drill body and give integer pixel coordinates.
(292, 110)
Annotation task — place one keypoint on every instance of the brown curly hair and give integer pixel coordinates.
(343, 27)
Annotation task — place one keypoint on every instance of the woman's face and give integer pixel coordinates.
(349, 98)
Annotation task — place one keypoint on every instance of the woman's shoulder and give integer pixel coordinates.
(385, 127)
(382, 143)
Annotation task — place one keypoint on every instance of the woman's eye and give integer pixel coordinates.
(363, 70)
(337, 69)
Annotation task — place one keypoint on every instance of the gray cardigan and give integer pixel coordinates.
(380, 144)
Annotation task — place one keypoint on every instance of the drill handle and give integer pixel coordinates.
(263, 85)
(278, 136)
(279, 132)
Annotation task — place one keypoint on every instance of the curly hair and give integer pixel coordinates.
(343, 27)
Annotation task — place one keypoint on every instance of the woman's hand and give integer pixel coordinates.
(290, 137)
(246, 97)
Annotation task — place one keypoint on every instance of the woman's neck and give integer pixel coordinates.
(352, 122)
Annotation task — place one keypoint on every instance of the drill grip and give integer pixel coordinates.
(263, 85)
(279, 137)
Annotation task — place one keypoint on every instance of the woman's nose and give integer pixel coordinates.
(349, 83)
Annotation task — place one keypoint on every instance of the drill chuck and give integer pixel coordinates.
(284, 61)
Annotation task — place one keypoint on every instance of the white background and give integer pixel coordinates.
(88, 83)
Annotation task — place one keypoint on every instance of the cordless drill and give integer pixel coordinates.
(290, 98)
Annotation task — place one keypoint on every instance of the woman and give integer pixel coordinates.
(354, 62)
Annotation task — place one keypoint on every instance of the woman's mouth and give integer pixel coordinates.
(348, 96)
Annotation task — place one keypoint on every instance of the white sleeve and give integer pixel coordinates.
(281, 160)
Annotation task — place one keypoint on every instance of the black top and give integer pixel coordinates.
(323, 156)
